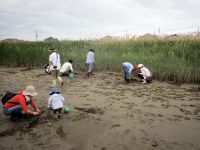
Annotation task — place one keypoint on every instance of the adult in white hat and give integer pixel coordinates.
(54, 67)
(144, 74)
(17, 105)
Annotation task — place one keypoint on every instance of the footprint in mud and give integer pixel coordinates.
(90, 110)
(144, 140)
(150, 106)
(84, 95)
(11, 72)
(165, 105)
(86, 104)
(194, 89)
(115, 125)
(185, 111)
(176, 118)
(197, 111)
(8, 132)
(127, 131)
(60, 132)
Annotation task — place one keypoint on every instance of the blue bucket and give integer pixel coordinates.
(71, 75)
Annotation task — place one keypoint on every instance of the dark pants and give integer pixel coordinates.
(140, 76)
(14, 112)
(66, 73)
(148, 79)
(59, 110)
(126, 73)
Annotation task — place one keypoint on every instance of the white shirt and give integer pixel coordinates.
(55, 59)
(56, 101)
(90, 57)
(66, 67)
(145, 72)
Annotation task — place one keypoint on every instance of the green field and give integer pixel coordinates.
(170, 59)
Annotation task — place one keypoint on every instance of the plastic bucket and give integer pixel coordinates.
(71, 75)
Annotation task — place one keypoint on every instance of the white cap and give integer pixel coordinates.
(140, 65)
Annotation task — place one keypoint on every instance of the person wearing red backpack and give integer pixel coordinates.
(17, 105)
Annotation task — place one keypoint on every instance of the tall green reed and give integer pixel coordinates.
(170, 59)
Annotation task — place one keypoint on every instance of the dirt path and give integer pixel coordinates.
(106, 114)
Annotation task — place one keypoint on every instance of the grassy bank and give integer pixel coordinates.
(176, 59)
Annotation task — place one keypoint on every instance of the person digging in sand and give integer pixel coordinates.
(128, 71)
(67, 68)
(55, 103)
(144, 74)
(16, 107)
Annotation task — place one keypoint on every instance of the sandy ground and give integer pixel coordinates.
(106, 114)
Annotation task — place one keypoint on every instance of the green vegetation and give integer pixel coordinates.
(170, 59)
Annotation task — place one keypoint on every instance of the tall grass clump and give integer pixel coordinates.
(170, 59)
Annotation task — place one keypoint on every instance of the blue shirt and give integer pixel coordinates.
(129, 66)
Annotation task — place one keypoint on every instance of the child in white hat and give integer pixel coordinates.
(55, 102)
(144, 74)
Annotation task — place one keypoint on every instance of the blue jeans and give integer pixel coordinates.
(90, 66)
(126, 73)
(11, 110)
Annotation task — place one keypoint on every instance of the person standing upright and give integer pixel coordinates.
(90, 62)
(54, 66)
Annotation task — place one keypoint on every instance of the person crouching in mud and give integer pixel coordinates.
(144, 74)
(128, 70)
(16, 107)
(55, 103)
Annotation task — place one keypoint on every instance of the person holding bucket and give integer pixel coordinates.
(54, 66)
(67, 69)
(128, 71)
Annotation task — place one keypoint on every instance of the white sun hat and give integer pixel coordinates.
(140, 65)
(30, 90)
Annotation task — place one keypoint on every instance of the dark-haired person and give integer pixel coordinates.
(54, 67)
(16, 107)
(67, 68)
(90, 62)
(128, 70)
(144, 74)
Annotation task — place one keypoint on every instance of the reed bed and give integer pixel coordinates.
(170, 59)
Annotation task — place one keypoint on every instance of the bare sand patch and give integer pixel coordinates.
(106, 114)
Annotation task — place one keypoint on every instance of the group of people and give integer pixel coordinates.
(56, 70)
(16, 106)
(142, 72)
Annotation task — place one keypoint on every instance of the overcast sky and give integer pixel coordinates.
(95, 18)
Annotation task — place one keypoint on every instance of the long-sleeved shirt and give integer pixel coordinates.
(56, 101)
(145, 72)
(90, 57)
(19, 99)
(66, 67)
(129, 67)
